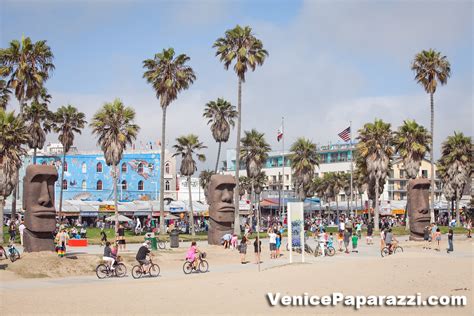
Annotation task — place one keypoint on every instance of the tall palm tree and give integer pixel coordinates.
(187, 147)
(66, 121)
(115, 128)
(375, 146)
(38, 117)
(221, 115)
(245, 186)
(412, 141)
(4, 94)
(13, 134)
(204, 179)
(430, 68)
(448, 190)
(28, 66)
(456, 160)
(240, 47)
(168, 75)
(304, 159)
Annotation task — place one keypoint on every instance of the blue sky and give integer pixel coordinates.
(330, 62)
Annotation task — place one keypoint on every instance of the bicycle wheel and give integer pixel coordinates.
(187, 267)
(154, 270)
(137, 272)
(330, 251)
(15, 255)
(101, 271)
(398, 249)
(385, 252)
(161, 244)
(203, 266)
(120, 270)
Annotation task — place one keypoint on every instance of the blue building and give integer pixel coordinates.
(87, 176)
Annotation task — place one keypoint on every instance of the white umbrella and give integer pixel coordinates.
(121, 218)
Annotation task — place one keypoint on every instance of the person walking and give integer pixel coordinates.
(426, 237)
(340, 239)
(12, 231)
(21, 228)
(355, 239)
(450, 240)
(272, 236)
(469, 228)
(437, 236)
(103, 237)
(347, 236)
(257, 245)
(243, 250)
(121, 237)
(370, 231)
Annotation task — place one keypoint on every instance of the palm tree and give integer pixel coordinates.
(245, 186)
(38, 118)
(336, 184)
(412, 142)
(240, 47)
(114, 127)
(304, 159)
(186, 147)
(456, 159)
(375, 147)
(430, 68)
(221, 115)
(66, 121)
(28, 66)
(168, 75)
(13, 134)
(204, 179)
(346, 186)
(4, 94)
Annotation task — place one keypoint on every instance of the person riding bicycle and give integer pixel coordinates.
(143, 251)
(191, 254)
(108, 257)
(389, 239)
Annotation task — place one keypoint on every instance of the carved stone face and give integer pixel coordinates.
(221, 206)
(418, 207)
(38, 198)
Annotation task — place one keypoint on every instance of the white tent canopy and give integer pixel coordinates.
(121, 218)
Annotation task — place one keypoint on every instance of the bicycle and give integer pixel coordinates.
(202, 266)
(328, 251)
(395, 249)
(105, 271)
(12, 252)
(153, 270)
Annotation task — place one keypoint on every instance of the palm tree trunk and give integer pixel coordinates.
(218, 155)
(115, 200)
(2, 202)
(458, 220)
(348, 208)
(376, 214)
(14, 197)
(61, 184)
(237, 161)
(162, 173)
(191, 215)
(34, 156)
(433, 188)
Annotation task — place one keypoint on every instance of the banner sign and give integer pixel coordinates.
(296, 227)
(107, 208)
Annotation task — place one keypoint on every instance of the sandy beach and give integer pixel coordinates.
(232, 288)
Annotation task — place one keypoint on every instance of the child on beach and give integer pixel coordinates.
(437, 236)
(278, 244)
(191, 254)
(340, 238)
(355, 239)
(450, 240)
(243, 250)
(233, 241)
(330, 240)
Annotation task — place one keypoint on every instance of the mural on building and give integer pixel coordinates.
(87, 176)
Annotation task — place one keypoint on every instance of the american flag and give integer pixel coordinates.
(346, 134)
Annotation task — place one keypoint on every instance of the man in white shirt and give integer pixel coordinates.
(341, 226)
(272, 236)
(21, 228)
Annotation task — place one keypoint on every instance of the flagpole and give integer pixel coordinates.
(352, 169)
(282, 205)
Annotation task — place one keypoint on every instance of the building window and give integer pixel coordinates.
(124, 185)
(424, 174)
(140, 185)
(167, 185)
(167, 168)
(64, 184)
(84, 167)
(99, 185)
(124, 167)
(65, 166)
(84, 185)
(99, 167)
(140, 168)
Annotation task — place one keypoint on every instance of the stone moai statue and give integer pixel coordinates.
(221, 207)
(418, 207)
(38, 202)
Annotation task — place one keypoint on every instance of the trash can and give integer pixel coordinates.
(154, 244)
(174, 238)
